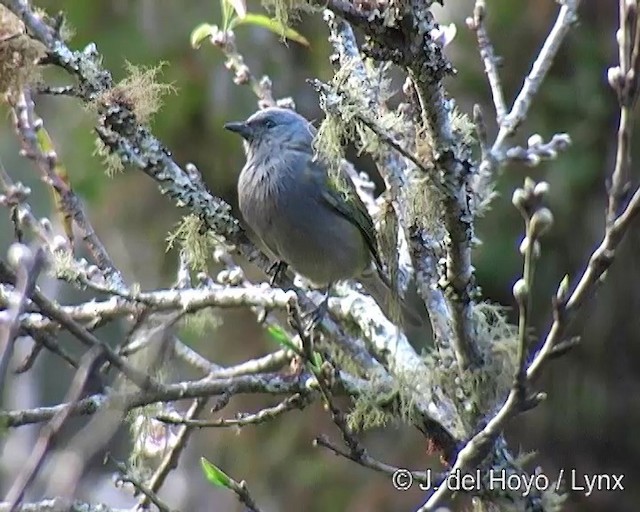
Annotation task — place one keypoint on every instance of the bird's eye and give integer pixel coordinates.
(269, 123)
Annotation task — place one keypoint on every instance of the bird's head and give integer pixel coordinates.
(274, 129)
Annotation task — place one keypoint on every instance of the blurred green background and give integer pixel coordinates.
(589, 420)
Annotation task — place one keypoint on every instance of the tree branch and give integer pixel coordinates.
(60, 505)
(567, 16)
(491, 61)
(121, 132)
(623, 79)
(86, 370)
(264, 383)
(28, 266)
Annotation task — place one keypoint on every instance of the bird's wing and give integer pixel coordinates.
(342, 196)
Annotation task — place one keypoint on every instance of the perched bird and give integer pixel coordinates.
(307, 217)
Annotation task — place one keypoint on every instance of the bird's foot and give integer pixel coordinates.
(313, 318)
(276, 270)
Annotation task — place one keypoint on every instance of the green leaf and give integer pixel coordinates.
(239, 6)
(280, 336)
(260, 20)
(200, 33)
(317, 360)
(214, 474)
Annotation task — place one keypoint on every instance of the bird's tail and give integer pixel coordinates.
(406, 312)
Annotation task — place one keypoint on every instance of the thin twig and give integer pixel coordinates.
(120, 130)
(491, 62)
(61, 505)
(28, 125)
(269, 383)
(365, 460)
(170, 460)
(50, 342)
(624, 81)
(537, 221)
(30, 359)
(566, 306)
(599, 262)
(324, 374)
(28, 265)
(87, 368)
(139, 377)
(226, 41)
(91, 440)
(566, 18)
(297, 401)
(127, 477)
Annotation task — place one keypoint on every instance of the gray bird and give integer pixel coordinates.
(308, 218)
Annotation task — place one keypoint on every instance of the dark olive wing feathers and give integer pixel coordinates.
(341, 195)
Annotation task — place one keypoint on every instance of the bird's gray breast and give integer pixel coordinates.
(282, 202)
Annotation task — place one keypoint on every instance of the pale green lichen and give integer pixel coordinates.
(140, 91)
(196, 242)
(63, 266)
(343, 360)
(281, 9)
(482, 389)
(463, 127)
(201, 322)
(553, 501)
(424, 205)
(407, 394)
(142, 427)
(19, 54)
(338, 183)
(380, 406)
(497, 340)
(337, 126)
(367, 411)
(524, 458)
(367, 414)
(483, 189)
(380, 80)
(286, 11)
(350, 118)
(368, 127)
(111, 161)
(377, 408)
(328, 141)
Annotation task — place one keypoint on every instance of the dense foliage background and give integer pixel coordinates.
(588, 420)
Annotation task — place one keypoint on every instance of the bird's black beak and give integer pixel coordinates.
(241, 128)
